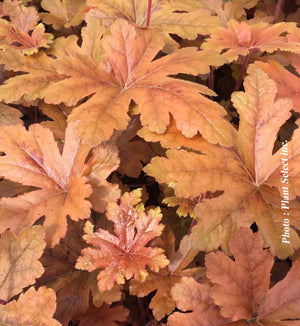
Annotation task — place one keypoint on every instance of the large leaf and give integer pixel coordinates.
(246, 178)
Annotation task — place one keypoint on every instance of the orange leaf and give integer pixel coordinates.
(19, 265)
(240, 285)
(73, 287)
(33, 308)
(191, 295)
(129, 73)
(63, 13)
(282, 302)
(32, 158)
(288, 84)
(241, 39)
(246, 177)
(240, 288)
(124, 254)
(22, 31)
(162, 302)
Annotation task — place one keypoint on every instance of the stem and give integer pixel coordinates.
(243, 68)
(278, 6)
(148, 13)
(194, 222)
(211, 78)
(35, 115)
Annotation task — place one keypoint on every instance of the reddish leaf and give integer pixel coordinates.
(124, 255)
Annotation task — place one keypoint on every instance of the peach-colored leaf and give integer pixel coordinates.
(186, 20)
(19, 265)
(240, 285)
(39, 74)
(129, 73)
(246, 178)
(282, 301)
(191, 295)
(73, 287)
(288, 84)
(32, 158)
(22, 31)
(62, 13)
(242, 38)
(124, 255)
(34, 308)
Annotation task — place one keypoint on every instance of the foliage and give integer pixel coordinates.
(150, 156)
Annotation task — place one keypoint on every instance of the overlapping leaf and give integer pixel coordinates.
(162, 302)
(127, 73)
(33, 308)
(19, 265)
(22, 31)
(73, 287)
(247, 175)
(185, 19)
(62, 13)
(239, 293)
(288, 84)
(124, 255)
(242, 38)
(32, 158)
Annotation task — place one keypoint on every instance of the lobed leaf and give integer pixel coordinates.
(19, 265)
(123, 255)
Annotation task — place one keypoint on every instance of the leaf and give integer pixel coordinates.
(162, 302)
(242, 39)
(103, 161)
(32, 158)
(132, 150)
(239, 289)
(39, 74)
(62, 13)
(22, 31)
(33, 308)
(191, 295)
(73, 287)
(286, 82)
(9, 116)
(58, 115)
(19, 265)
(124, 254)
(240, 285)
(188, 23)
(247, 176)
(282, 300)
(104, 315)
(128, 73)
